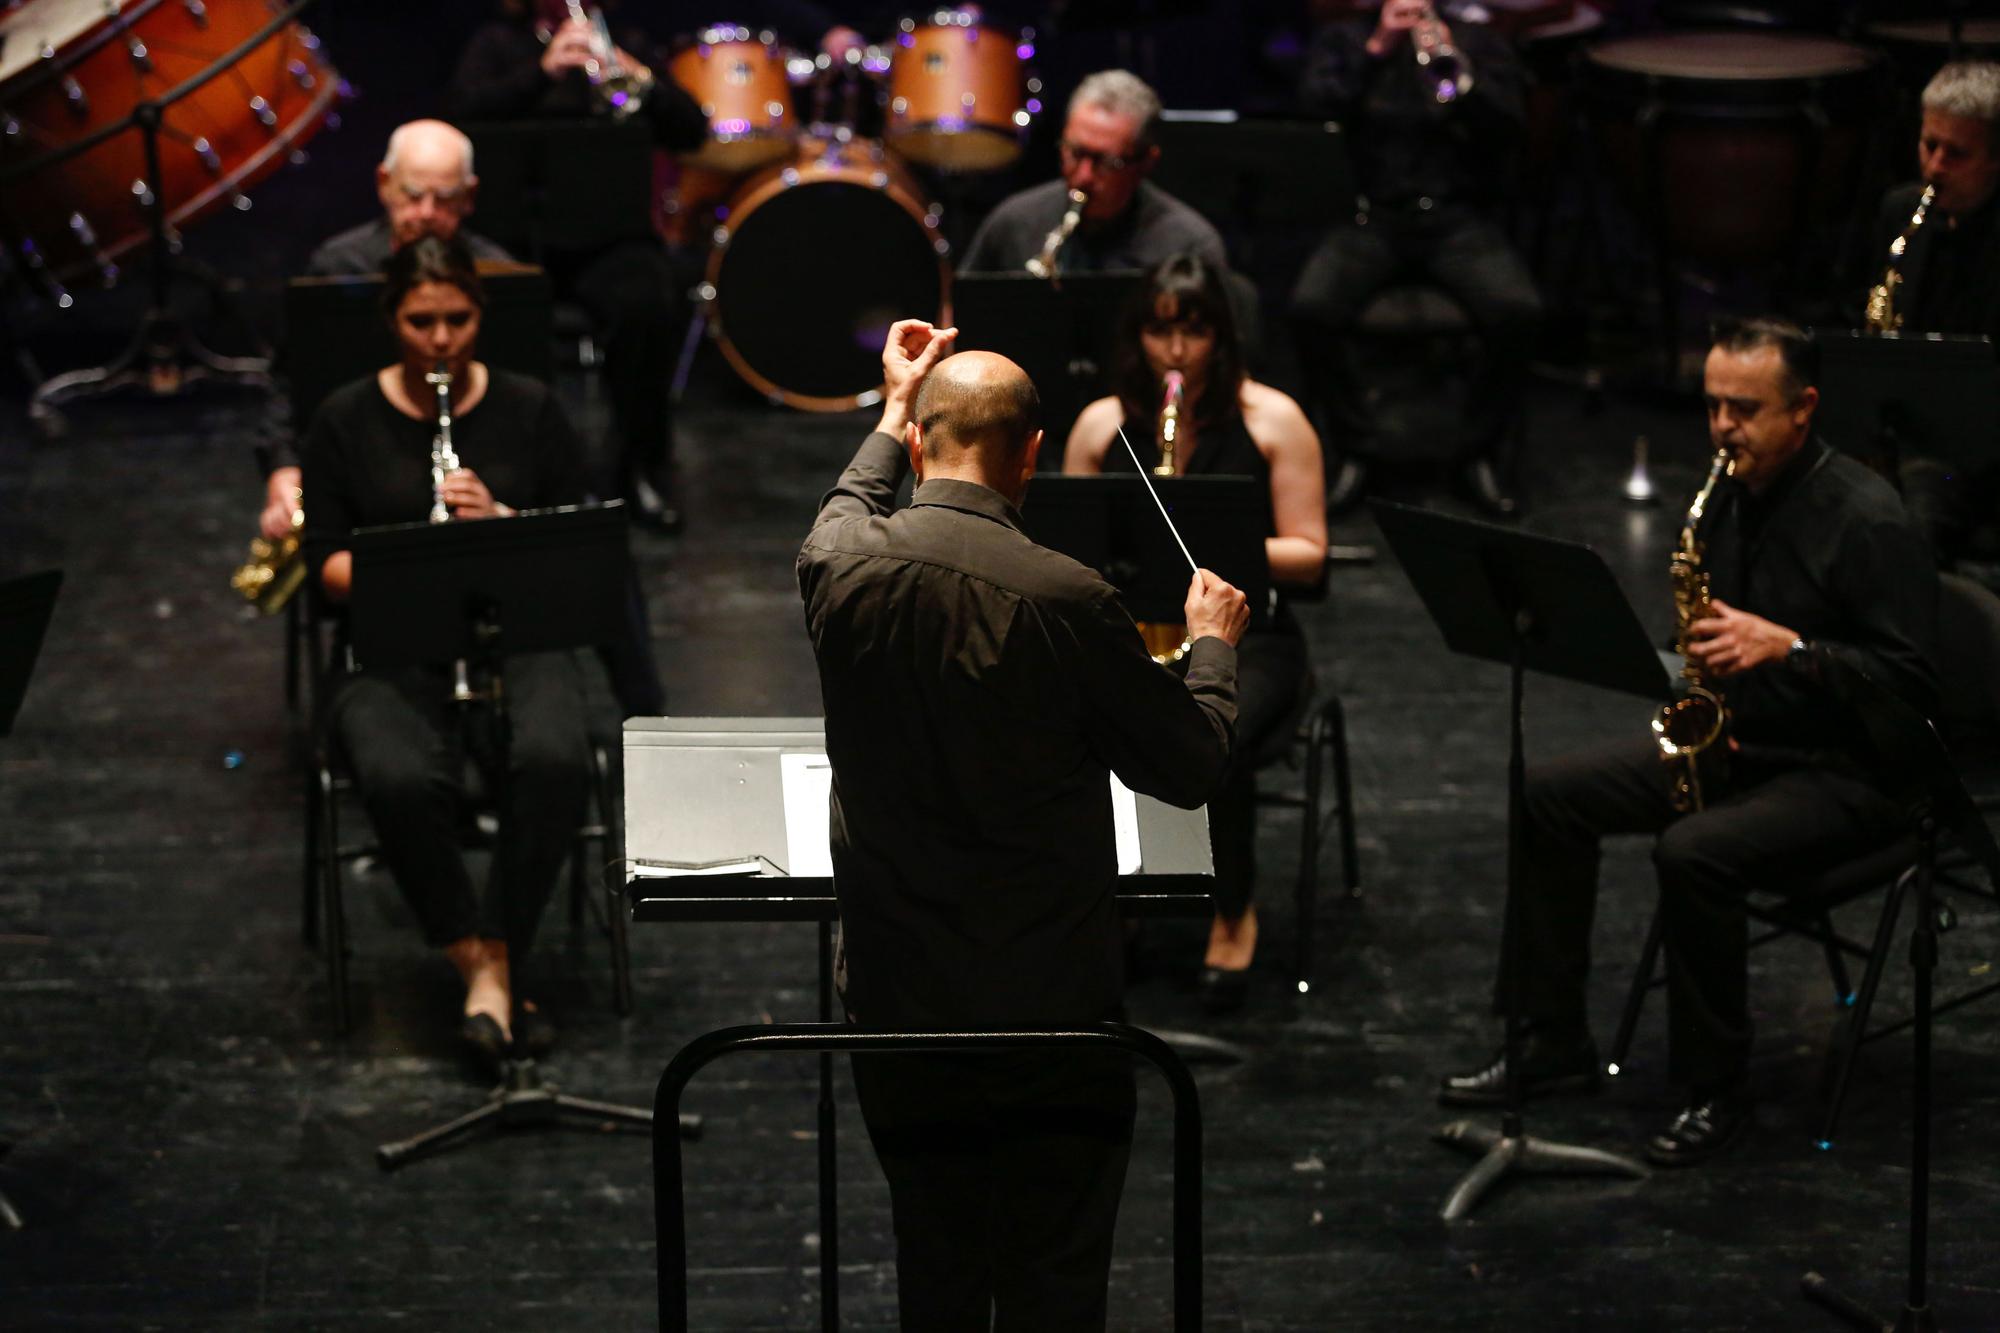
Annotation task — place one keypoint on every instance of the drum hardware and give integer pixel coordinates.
(65, 213)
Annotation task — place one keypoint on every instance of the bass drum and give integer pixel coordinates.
(812, 263)
(71, 70)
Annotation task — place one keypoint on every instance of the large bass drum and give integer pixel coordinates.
(73, 70)
(813, 262)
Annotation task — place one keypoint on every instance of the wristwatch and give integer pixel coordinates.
(1799, 653)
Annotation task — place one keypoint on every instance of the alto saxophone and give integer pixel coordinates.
(1167, 640)
(1043, 265)
(1881, 316)
(1690, 725)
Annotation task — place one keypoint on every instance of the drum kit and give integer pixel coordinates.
(818, 229)
(120, 124)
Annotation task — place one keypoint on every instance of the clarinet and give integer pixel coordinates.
(444, 462)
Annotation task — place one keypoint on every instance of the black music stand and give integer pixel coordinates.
(1061, 331)
(1889, 399)
(1913, 764)
(1533, 603)
(336, 331)
(427, 593)
(564, 184)
(1110, 523)
(164, 356)
(25, 607)
(1255, 177)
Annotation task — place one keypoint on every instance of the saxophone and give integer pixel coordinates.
(1881, 316)
(274, 570)
(1043, 265)
(1167, 640)
(1687, 727)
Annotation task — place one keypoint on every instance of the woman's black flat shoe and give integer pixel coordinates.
(534, 1032)
(483, 1034)
(1223, 990)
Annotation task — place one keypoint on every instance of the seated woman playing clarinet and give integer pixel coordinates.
(443, 436)
(1183, 396)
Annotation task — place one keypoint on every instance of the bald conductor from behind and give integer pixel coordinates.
(979, 690)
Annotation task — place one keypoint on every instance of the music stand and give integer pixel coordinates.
(1109, 523)
(564, 185)
(1888, 399)
(1061, 331)
(336, 331)
(426, 594)
(1912, 763)
(1554, 607)
(1255, 177)
(25, 607)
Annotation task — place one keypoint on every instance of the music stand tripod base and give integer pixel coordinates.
(521, 1100)
(1501, 1152)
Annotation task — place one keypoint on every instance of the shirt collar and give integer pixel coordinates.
(968, 497)
(1801, 465)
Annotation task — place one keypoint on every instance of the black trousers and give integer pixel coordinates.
(409, 748)
(633, 294)
(1466, 256)
(1769, 823)
(1004, 1173)
(1270, 673)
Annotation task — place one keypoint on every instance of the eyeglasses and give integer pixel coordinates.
(451, 198)
(1076, 153)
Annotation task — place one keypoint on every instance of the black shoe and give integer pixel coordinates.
(1481, 485)
(1224, 989)
(482, 1033)
(1548, 1065)
(1346, 485)
(1704, 1127)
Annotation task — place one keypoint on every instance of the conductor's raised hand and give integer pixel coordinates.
(912, 348)
(1215, 608)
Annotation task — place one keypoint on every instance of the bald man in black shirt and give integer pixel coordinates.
(979, 691)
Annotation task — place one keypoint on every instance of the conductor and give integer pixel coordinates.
(979, 690)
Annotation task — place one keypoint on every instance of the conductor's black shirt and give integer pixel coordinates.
(979, 690)
(1826, 551)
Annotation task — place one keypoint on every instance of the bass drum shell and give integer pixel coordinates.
(812, 264)
(72, 69)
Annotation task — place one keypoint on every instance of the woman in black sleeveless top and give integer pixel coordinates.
(1229, 425)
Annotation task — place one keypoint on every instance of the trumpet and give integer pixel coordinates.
(1043, 265)
(1449, 72)
(1881, 315)
(273, 572)
(616, 91)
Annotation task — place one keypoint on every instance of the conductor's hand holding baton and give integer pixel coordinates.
(1217, 608)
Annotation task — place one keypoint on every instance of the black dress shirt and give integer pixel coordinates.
(1412, 153)
(1951, 272)
(979, 690)
(360, 251)
(1153, 227)
(500, 77)
(1826, 551)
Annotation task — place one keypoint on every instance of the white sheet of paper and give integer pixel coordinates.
(808, 783)
(1125, 826)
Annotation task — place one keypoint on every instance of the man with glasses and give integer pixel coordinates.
(1128, 223)
(1811, 560)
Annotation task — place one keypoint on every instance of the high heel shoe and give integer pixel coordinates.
(482, 1033)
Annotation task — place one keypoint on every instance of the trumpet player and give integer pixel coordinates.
(372, 456)
(1433, 111)
(631, 289)
(1807, 556)
(1947, 280)
(1125, 223)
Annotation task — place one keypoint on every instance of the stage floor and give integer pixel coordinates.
(191, 1149)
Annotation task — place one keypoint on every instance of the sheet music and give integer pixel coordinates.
(808, 784)
(1125, 826)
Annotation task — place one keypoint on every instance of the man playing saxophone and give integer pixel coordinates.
(1807, 557)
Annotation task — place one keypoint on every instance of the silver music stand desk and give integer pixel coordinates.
(712, 834)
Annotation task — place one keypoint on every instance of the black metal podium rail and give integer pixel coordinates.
(822, 1038)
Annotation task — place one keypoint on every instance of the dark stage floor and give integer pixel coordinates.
(191, 1151)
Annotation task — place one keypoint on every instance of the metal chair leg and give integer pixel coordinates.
(1309, 835)
(335, 907)
(1836, 962)
(1343, 792)
(1635, 999)
(309, 878)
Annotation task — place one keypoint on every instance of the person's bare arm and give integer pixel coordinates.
(281, 503)
(1090, 438)
(1282, 433)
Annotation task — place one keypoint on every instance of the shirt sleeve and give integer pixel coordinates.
(1164, 737)
(868, 487)
(1338, 70)
(325, 484)
(497, 77)
(560, 449)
